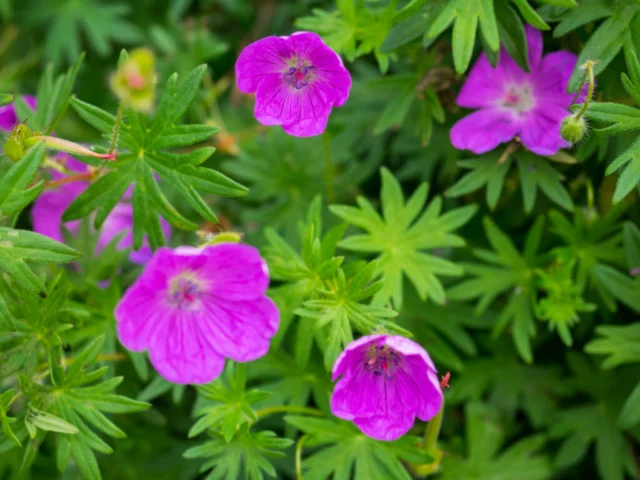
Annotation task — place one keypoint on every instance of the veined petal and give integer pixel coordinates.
(484, 130)
(261, 58)
(552, 79)
(534, 47)
(484, 85)
(540, 130)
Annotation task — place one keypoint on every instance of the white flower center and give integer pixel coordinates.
(518, 98)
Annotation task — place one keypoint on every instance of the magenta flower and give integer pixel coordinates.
(386, 382)
(513, 103)
(50, 205)
(193, 307)
(8, 117)
(296, 79)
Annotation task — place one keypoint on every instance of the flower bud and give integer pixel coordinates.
(134, 81)
(14, 147)
(573, 128)
(67, 146)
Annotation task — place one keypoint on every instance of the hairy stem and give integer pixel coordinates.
(432, 432)
(299, 457)
(328, 167)
(116, 128)
(589, 73)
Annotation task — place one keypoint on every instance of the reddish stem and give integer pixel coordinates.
(69, 179)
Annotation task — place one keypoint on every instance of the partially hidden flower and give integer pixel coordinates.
(512, 102)
(8, 116)
(50, 205)
(134, 83)
(385, 382)
(297, 81)
(193, 307)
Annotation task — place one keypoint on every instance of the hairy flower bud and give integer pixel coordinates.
(573, 128)
(14, 147)
(135, 80)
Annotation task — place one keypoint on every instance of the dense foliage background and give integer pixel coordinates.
(518, 273)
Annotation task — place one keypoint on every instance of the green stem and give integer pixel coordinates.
(299, 457)
(289, 409)
(328, 167)
(585, 106)
(116, 128)
(432, 431)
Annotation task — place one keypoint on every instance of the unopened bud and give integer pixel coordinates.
(135, 80)
(67, 146)
(15, 146)
(573, 128)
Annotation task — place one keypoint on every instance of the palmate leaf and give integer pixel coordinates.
(506, 271)
(401, 236)
(348, 453)
(144, 153)
(595, 246)
(229, 405)
(19, 246)
(485, 461)
(245, 457)
(467, 14)
(97, 22)
(621, 344)
(534, 172)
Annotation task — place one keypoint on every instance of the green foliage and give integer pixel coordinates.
(347, 453)
(400, 237)
(484, 438)
(146, 143)
(246, 456)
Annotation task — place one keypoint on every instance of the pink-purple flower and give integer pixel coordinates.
(512, 102)
(8, 117)
(191, 308)
(297, 81)
(386, 381)
(50, 205)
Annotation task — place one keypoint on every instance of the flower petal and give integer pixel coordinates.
(139, 314)
(534, 47)
(235, 271)
(353, 354)
(540, 131)
(484, 130)
(407, 347)
(275, 100)
(48, 208)
(261, 58)
(426, 387)
(314, 107)
(484, 85)
(181, 353)
(552, 78)
(240, 330)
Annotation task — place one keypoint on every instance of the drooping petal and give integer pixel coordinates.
(484, 130)
(314, 109)
(261, 58)
(484, 86)
(552, 79)
(540, 130)
(426, 386)
(240, 330)
(235, 272)
(387, 428)
(181, 353)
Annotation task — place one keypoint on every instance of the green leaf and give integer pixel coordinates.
(18, 246)
(465, 16)
(630, 414)
(16, 191)
(485, 170)
(401, 236)
(348, 453)
(631, 243)
(620, 342)
(537, 172)
(248, 453)
(606, 42)
(50, 423)
(413, 26)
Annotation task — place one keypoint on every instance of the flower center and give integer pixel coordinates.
(299, 75)
(518, 98)
(185, 292)
(382, 360)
